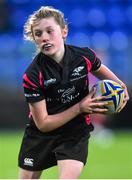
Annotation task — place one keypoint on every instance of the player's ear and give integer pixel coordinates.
(64, 32)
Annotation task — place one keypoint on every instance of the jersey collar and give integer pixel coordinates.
(64, 65)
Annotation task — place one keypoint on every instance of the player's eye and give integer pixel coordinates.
(50, 31)
(38, 33)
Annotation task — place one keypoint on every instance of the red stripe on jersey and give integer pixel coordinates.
(89, 65)
(40, 79)
(87, 119)
(26, 86)
(28, 81)
(94, 55)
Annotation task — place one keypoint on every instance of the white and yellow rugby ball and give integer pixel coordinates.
(114, 93)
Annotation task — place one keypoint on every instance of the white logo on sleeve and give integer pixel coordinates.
(28, 161)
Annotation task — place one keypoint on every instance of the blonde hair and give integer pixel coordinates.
(43, 12)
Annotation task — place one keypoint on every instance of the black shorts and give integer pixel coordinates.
(40, 151)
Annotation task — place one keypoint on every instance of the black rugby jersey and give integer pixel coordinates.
(61, 85)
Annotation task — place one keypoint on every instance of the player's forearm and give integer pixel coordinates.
(106, 73)
(52, 122)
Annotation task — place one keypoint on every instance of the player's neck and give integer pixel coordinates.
(59, 55)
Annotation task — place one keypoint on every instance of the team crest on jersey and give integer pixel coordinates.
(65, 95)
(69, 95)
(76, 71)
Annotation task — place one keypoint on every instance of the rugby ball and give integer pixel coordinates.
(114, 93)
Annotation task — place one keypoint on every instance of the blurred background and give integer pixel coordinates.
(103, 25)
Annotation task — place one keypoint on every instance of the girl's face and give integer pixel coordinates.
(49, 36)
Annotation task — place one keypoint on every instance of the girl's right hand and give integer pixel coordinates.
(91, 104)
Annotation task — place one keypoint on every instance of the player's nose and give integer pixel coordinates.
(45, 37)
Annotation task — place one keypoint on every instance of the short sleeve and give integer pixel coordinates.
(92, 61)
(33, 87)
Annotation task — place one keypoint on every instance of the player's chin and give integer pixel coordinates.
(48, 53)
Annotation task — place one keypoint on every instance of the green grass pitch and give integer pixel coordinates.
(110, 157)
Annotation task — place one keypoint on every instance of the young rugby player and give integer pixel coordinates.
(56, 87)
